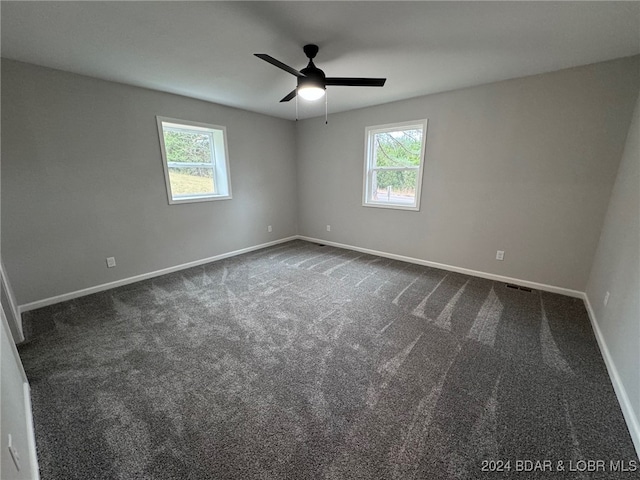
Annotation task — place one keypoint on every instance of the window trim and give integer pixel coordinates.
(369, 168)
(221, 169)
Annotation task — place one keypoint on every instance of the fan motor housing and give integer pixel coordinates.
(312, 76)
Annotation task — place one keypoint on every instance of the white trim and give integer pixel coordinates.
(14, 349)
(26, 392)
(393, 206)
(31, 433)
(453, 268)
(621, 392)
(12, 303)
(126, 281)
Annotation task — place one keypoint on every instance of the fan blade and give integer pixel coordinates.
(356, 82)
(291, 96)
(279, 64)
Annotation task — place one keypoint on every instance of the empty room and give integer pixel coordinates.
(320, 240)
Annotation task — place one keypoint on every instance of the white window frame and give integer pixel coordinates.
(369, 164)
(219, 162)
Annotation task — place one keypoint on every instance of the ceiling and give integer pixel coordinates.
(205, 49)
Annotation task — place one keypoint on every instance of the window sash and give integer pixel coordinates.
(373, 169)
(211, 164)
(190, 164)
(218, 164)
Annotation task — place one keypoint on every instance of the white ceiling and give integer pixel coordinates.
(205, 49)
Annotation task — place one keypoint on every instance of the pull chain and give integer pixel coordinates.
(296, 107)
(326, 120)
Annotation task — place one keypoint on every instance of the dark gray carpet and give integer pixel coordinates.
(308, 362)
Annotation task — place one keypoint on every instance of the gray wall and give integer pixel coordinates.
(616, 269)
(15, 412)
(82, 180)
(524, 166)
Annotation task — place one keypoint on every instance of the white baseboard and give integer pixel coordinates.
(630, 415)
(623, 399)
(126, 281)
(453, 268)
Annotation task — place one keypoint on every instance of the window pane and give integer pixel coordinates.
(191, 181)
(190, 148)
(185, 146)
(394, 186)
(398, 148)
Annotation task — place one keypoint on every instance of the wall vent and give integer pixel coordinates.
(517, 287)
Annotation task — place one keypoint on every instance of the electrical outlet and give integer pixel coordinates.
(500, 255)
(14, 453)
(111, 262)
(328, 228)
(606, 299)
(269, 229)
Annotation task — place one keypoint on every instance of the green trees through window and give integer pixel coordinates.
(190, 160)
(398, 149)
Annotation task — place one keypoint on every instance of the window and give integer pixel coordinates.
(394, 155)
(195, 160)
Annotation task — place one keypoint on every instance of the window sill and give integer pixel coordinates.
(196, 199)
(392, 206)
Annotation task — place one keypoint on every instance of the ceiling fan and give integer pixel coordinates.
(312, 81)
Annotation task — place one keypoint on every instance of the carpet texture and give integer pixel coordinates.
(303, 361)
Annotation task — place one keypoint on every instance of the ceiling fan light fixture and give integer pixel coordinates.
(312, 82)
(311, 92)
